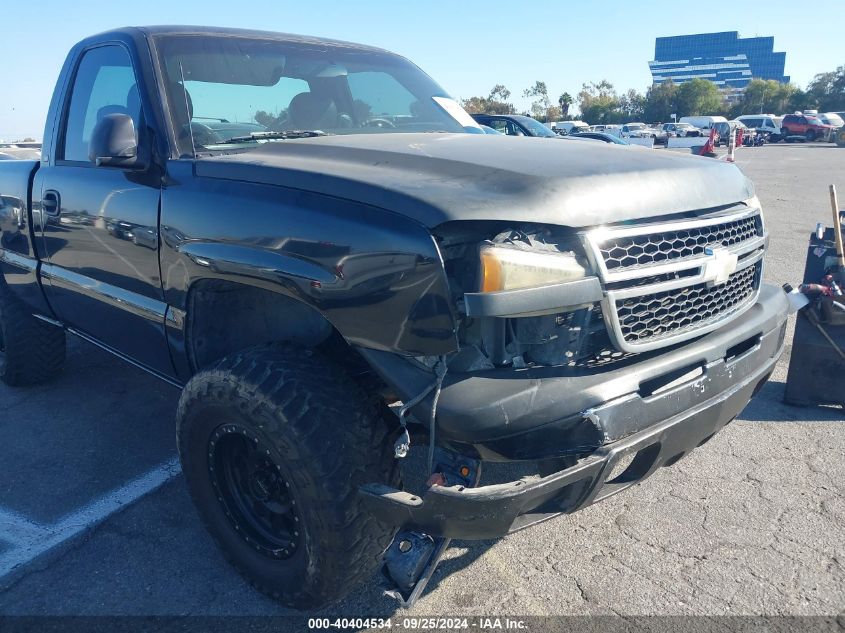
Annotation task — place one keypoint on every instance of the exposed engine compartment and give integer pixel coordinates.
(575, 338)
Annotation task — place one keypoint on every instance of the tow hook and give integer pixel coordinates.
(412, 557)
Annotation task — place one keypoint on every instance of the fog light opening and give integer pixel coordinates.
(619, 468)
(631, 468)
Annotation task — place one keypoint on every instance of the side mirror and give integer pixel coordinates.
(114, 142)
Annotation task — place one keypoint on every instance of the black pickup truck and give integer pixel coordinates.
(323, 251)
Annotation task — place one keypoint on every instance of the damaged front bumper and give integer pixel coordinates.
(650, 414)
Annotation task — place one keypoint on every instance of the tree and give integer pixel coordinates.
(272, 122)
(764, 95)
(564, 100)
(599, 103)
(494, 103)
(699, 96)
(827, 91)
(632, 105)
(799, 101)
(541, 104)
(660, 102)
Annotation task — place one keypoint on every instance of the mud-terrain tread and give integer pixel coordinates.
(34, 351)
(324, 425)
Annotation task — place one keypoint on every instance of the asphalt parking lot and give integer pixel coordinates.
(95, 518)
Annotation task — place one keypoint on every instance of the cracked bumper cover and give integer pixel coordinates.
(650, 428)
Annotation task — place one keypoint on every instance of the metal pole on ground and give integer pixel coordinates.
(837, 228)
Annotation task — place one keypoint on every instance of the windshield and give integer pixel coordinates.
(534, 126)
(636, 126)
(222, 89)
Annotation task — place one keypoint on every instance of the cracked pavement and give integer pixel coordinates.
(751, 523)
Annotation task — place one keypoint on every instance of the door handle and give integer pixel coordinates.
(51, 202)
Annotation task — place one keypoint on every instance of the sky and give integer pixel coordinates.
(466, 46)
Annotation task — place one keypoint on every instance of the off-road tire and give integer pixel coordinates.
(31, 351)
(326, 439)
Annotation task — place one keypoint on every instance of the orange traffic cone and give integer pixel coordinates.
(709, 148)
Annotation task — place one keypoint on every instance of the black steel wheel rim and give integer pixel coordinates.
(253, 492)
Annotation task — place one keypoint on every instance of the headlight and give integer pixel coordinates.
(504, 268)
(753, 203)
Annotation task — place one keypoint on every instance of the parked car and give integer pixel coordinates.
(635, 130)
(832, 119)
(681, 130)
(660, 137)
(641, 130)
(515, 125)
(724, 130)
(371, 273)
(599, 136)
(764, 123)
(609, 128)
(703, 122)
(569, 127)
(807, 126)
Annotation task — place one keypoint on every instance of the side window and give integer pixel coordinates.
(104, 84)
(514, 129)
(500, 125)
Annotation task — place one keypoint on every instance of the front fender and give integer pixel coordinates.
(377, 277)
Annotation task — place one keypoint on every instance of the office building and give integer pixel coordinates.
(726, 59)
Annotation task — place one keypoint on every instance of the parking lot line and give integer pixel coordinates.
(30, 540)
(16, 529)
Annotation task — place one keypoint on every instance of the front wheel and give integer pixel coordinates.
(811, 135)
(274, 443)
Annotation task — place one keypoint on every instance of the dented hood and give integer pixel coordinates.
(436, 178)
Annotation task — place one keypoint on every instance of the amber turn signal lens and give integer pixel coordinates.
(508, 268)
(491, 272)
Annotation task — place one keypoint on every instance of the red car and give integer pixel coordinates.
(805, 125)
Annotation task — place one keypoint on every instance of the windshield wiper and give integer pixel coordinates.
(287, 134)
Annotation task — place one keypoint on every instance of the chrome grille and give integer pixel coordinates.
(654, 248)
(671, 312)
(668, 282)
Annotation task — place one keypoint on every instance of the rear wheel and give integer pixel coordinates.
(31, 351)
(274, 443)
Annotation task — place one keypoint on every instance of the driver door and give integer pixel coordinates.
(100, 224)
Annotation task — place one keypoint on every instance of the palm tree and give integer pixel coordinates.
(565, 100)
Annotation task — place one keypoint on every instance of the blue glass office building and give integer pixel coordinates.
(726, 59)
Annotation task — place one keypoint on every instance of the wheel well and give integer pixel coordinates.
(225, 317)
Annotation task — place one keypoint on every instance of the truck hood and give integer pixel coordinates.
(436, 178)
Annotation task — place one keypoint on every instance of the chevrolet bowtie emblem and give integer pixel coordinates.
(720, 266)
